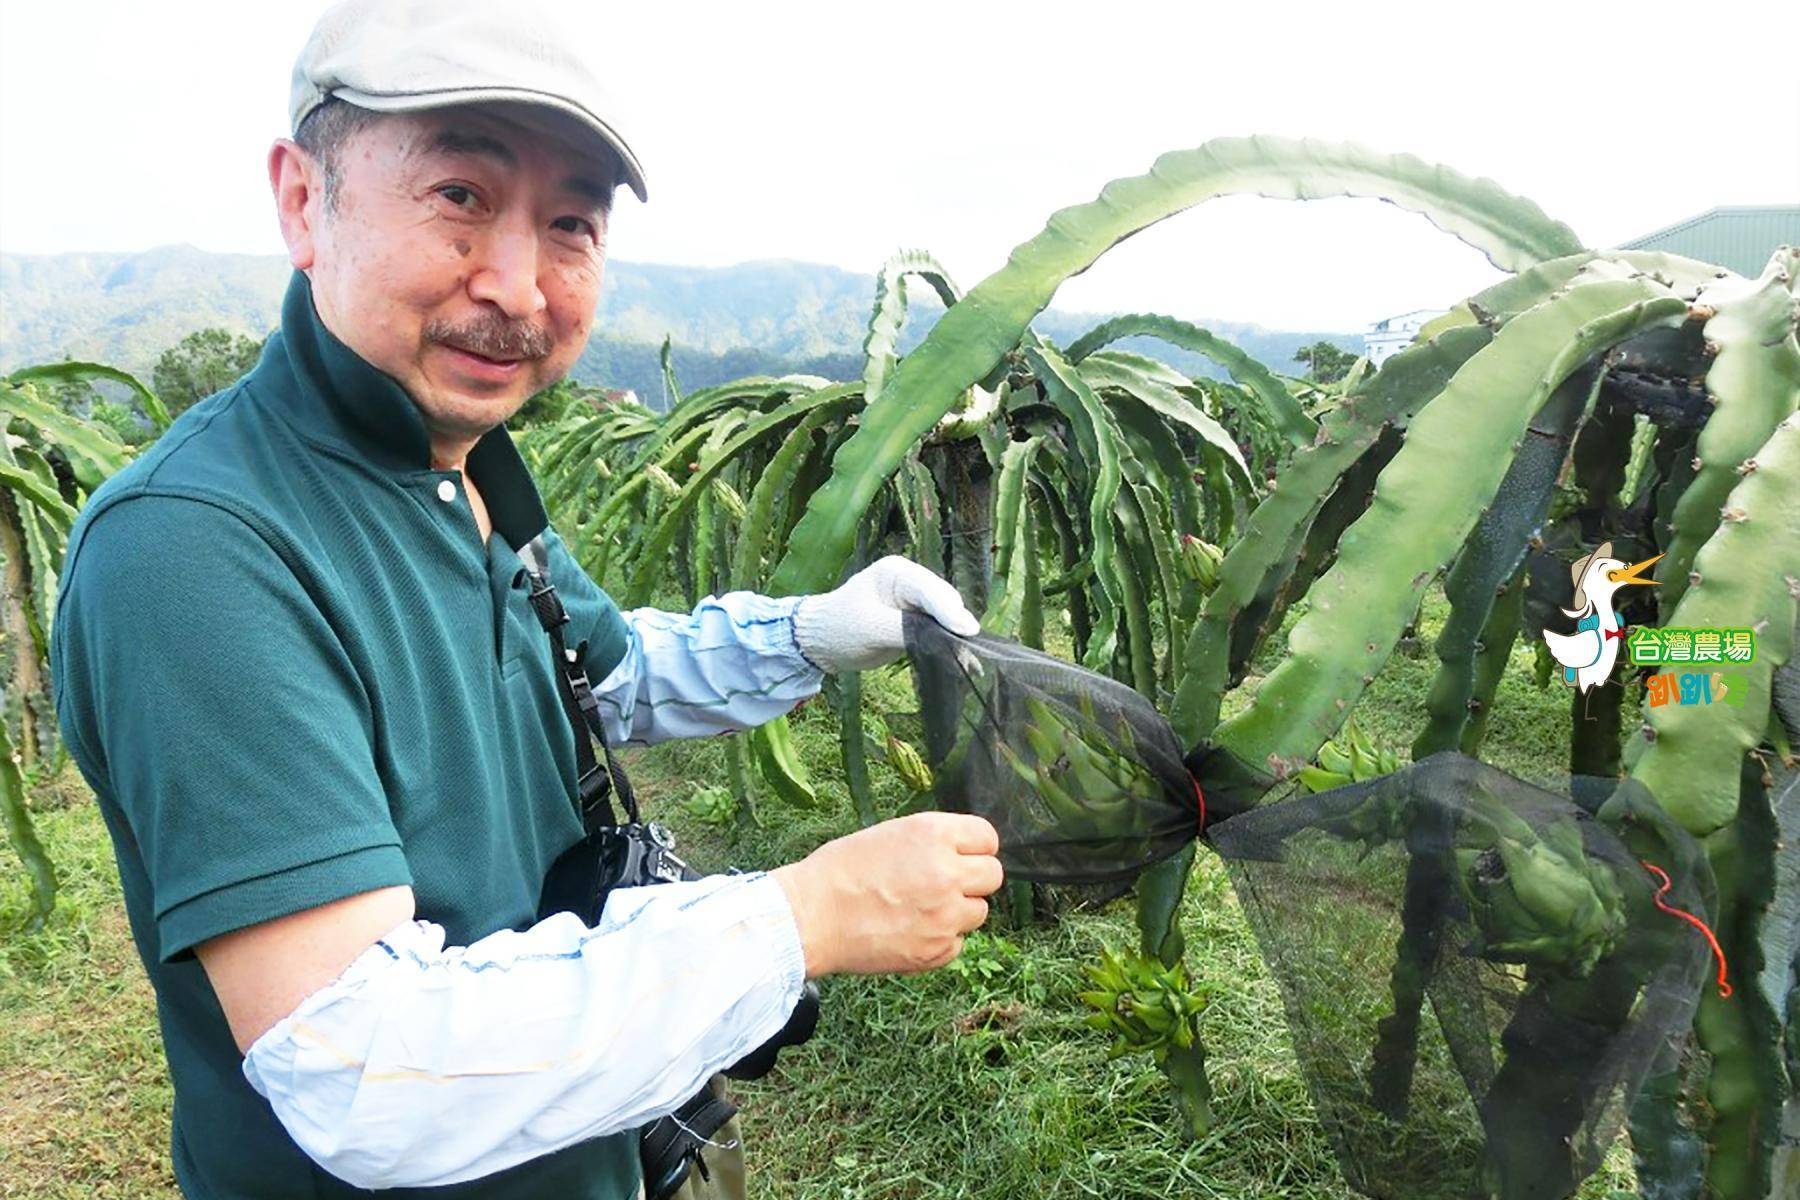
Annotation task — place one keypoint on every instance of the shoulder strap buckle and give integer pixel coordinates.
(593, 784)
(545, 602)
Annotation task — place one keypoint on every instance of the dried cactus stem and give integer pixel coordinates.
(1669, 1155)
(1595, 719)
(1601, 459)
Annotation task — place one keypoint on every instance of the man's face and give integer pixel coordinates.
(463, 256)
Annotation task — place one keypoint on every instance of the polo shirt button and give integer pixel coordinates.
(446, 491)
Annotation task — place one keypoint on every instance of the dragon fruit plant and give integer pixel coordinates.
(1074, 482)
(1594, 395)
(50, 460)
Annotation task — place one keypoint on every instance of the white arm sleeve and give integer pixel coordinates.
(730, 664)
(424, 1064)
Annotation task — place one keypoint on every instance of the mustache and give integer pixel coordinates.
(492, 336)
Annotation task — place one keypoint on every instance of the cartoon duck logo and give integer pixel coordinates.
(1588, 655)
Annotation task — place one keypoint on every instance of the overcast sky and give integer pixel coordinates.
(839, 132)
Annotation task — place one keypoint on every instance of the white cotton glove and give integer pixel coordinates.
(858, 626)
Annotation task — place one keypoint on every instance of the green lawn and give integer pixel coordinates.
(974, 1081)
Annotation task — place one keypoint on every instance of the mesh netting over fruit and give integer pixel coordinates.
(1478, 972)
(1080, 774)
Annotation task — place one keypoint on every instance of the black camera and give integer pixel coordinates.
(636, 855)
(632, 855)
(612, 856)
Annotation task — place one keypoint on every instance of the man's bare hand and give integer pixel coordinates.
(895, 897)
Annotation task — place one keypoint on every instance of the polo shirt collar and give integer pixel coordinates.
(333, 393)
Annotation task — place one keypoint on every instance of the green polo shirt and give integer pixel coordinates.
(292, 671)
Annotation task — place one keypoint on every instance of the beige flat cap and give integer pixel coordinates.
(407, 55)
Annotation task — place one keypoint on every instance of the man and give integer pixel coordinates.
(295, 659)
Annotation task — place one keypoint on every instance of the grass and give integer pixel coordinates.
(977, 1081)
(84, 1096)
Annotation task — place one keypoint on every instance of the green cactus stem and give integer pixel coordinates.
(1743, 1032)
(1492, 556)
(888, 314)
(24, 838)
(845, 694)
(1159, 892)
(1561, 1029)
(1530, 287)
(1403, 386)
(1781, 969)
(1348, 501)
(1428, 887)
(976, 333)
(1012, 547)
(1601, 458)
(738, 771)
(1279, 408)
(1098, 438)
(1493, 653)
(696, 485)
(1749, 577)
(1754, 383)
(1456, 453)
(1748, 571)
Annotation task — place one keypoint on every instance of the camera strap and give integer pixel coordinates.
(578, 700)
(672, 1146)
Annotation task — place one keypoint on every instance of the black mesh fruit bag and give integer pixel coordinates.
(1477, 972)
(1080, 774)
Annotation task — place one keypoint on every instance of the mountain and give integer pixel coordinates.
(769, 317)
(126, 309)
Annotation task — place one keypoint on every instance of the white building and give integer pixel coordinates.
(1395, 333)
(1739, 237)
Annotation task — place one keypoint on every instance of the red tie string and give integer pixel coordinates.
(1200, 798)
(1691, 919)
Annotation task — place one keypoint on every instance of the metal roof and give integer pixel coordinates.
(1739, 237)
